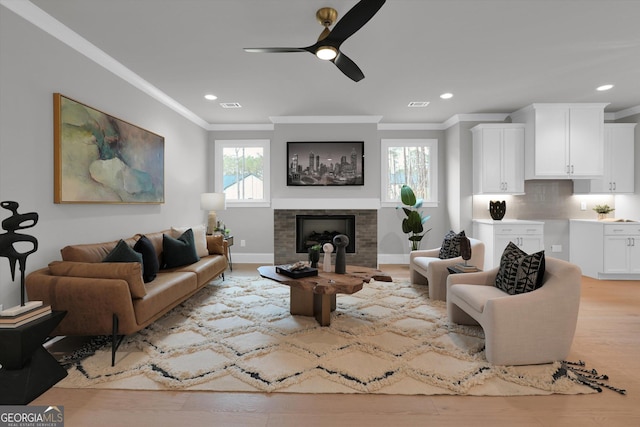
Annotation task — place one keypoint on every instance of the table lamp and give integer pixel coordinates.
(212, 202)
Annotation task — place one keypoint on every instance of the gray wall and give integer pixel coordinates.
(255, 225)
(34, 66)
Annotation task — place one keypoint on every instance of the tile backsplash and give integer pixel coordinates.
(544, 199)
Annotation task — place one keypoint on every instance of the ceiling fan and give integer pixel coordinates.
(328, 45)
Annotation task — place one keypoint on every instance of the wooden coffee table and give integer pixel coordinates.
(316, 295)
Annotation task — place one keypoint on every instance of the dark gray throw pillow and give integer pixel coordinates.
(123, 253)
(520, 272)
(450, 247)
(180, 251)
(150, 264)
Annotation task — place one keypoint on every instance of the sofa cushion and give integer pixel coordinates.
(215, 244)
(150, 264)
(131, 272)
(520, 272)
(450, 247)
(123, 253)
(199, 237)
(91, 252)
(180, 251)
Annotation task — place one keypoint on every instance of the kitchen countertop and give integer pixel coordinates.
(508, 221)
(608, 221)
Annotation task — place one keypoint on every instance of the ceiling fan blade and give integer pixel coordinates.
(274, 49)
(354, 19)
(348, 67)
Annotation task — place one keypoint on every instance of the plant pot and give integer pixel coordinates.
(314, 257)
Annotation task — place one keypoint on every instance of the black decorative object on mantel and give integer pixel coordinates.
(10, 238)
(341, 241)
(497, 209)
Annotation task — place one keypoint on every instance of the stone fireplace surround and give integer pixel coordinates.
(366, 230)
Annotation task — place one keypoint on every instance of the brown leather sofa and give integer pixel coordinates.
(110, 298)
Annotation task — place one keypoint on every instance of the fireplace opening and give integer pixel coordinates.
(320, 229)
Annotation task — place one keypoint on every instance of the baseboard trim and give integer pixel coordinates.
(268, 259)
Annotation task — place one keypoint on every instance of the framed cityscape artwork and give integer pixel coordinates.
(101, 159)
(325, 163)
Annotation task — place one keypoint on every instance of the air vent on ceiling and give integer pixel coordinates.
(230, 105)
(418, 104)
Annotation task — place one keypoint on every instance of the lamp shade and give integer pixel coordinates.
(212, 202)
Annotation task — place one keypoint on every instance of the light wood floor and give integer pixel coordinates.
(607, 338)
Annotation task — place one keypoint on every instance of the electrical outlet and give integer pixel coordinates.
(556, 248)
(583, 206)
(243, 243)
(1, 307)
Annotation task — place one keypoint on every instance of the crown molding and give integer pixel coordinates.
(623, 113)
(324, 119)
(57, 29)
(410, 126)
(241, 127)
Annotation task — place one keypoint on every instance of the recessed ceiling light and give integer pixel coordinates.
(230, 105)
(418, 104)
(604, 87)
(210, 97)
(447, 95)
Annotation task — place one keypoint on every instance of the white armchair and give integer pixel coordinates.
(530, 328)
(426, 268)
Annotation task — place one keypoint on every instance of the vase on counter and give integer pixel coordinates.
(497, 209)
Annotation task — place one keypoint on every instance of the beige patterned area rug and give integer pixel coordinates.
(238, 335)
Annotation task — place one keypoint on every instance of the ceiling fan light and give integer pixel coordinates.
(326, 53)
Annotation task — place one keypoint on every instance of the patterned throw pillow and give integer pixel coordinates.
(451, 245)
(520, 272)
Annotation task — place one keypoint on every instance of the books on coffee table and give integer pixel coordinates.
(296, 273)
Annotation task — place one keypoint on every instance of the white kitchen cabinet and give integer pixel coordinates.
(619, 169)
(606, 250)
(498, 158)
(496, 235)
(563, 140)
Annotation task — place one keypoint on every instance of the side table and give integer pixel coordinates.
(455, 270)
(229, 240)
(28, 369)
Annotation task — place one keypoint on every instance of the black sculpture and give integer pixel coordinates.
(465, 249)
(9, 239)
(341, 241)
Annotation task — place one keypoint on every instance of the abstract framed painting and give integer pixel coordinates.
(99, 158)
(326, 163)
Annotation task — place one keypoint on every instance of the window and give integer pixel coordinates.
(242, 171)
(413, 162)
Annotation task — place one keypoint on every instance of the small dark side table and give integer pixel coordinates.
(28, 369)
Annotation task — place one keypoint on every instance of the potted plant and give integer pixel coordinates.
(413, 224)
(314, 255)
(603, 211)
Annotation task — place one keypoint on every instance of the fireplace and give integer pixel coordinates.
(364, 241)
(320, 229)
